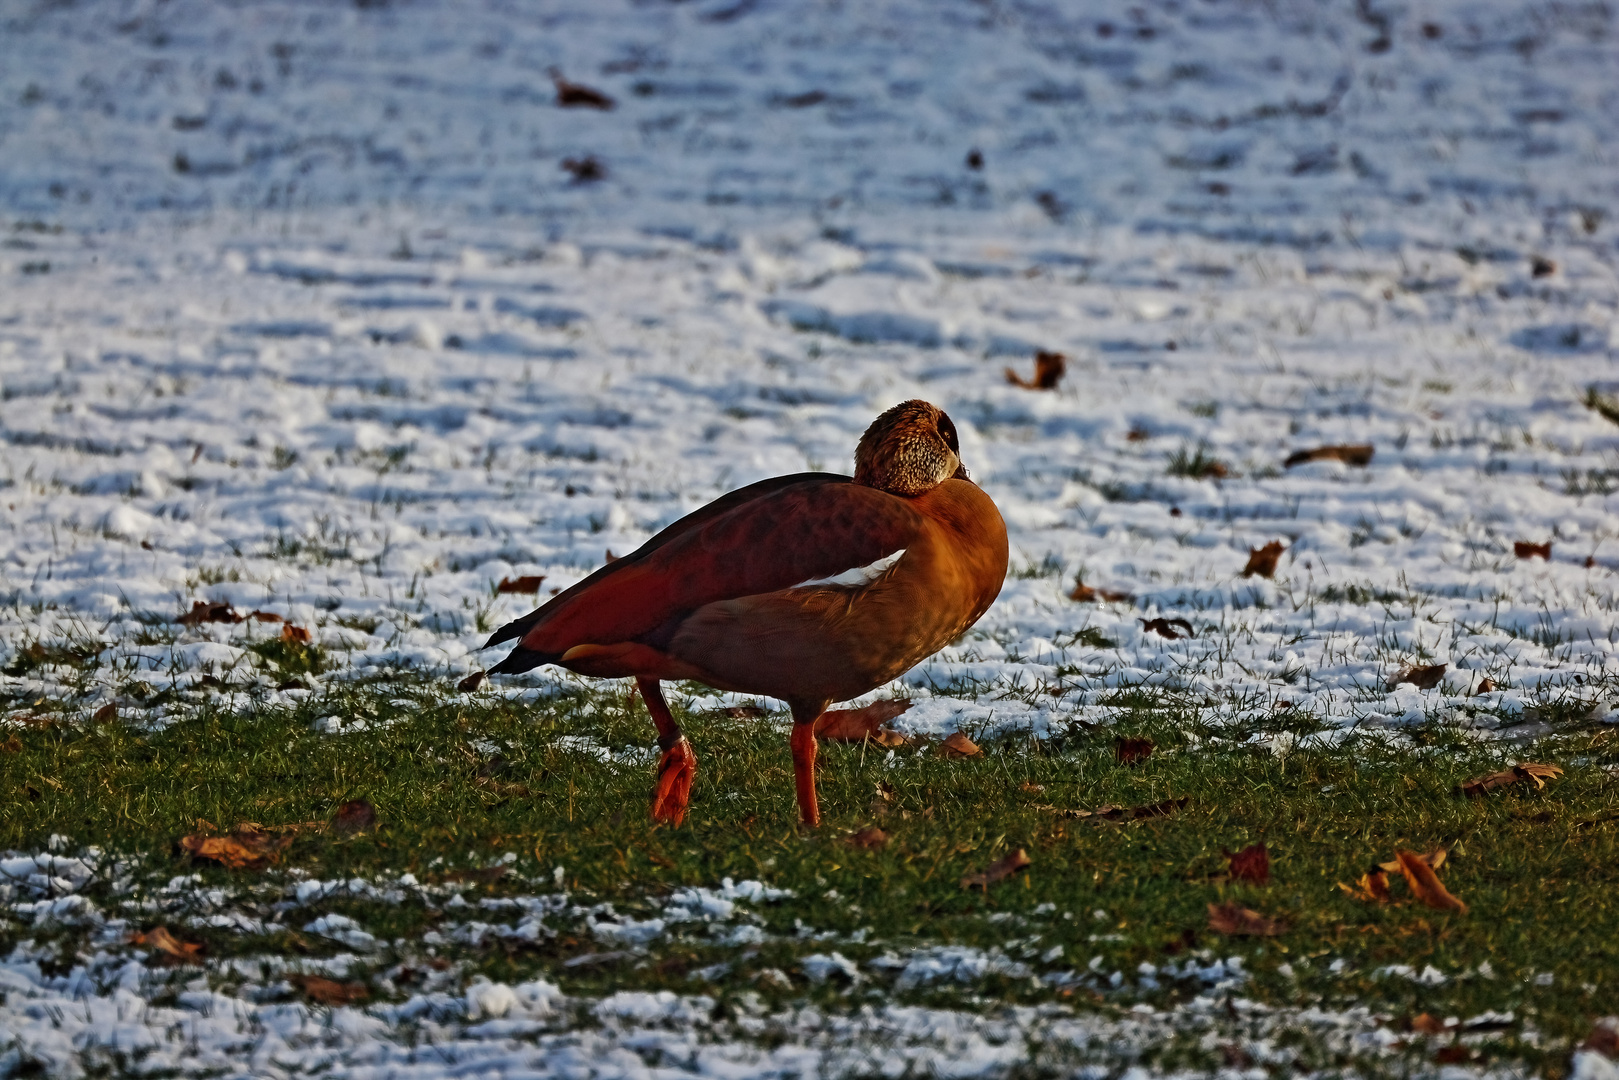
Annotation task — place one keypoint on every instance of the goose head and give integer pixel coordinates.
(909, 449)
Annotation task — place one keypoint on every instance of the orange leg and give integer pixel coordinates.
(809, 807)
(678, 766)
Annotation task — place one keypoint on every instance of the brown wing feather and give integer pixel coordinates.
(798, 532)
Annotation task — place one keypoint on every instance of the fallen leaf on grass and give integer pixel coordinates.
(527, 585)
(208, 611)
(1359, 455)
(1087, 595)
(295, 635)
(106, 714)
(1121, 813)
(1434, 859)
(1237, 921)
(1048, 372)
(1262, 560)
(1029, 787)
(999, 870)
(1423, 678)
(12, 745)
(244, 849)
(1522, 773)
(169, 948)
(1129, 749)
(572, 95)
(748, 712)
(858, 725)
(324, 991)
(1252, 863)
(959, 746)
(1525, 550)
(472, 682)
(1425, 884)
(1169, 628)
(1372, 888)
(868, 839)
(355, 816)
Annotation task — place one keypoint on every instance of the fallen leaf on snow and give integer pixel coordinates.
(170, 948)
(866, 722)
(959, 746)
(999, 870)
(527, 585)
(1237, 921)
(205, 611)
(264, 616)
(325, 991)
(1485, 686)
(1423, 678)
(244, 849)
(870, 838)
(1262, 560)
(355, 816)
(1604, 1039)
(572, 95)
(1425, 884)
(1522, 773)
(1525, 550)
(1169, 628)
(1428, 1024)
(1359, 455)
(294, 635)
(1048, 372)
(585, 170)
(1129, 749)
(1252, 863)
(472, 682)
(1087, 595)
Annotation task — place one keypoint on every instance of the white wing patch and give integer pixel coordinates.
(855, 577)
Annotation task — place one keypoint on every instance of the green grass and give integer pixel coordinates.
(458, 786)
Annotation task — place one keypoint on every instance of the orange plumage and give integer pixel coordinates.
(812, 588)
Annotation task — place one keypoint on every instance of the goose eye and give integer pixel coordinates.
(947, 431)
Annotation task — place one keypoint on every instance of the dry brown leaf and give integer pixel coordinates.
(1454, 1055)
(999, 870)
(1524, 772)
(355, 816)
(869, 839)
(1423, 678)
(572, 95)
(1252, 863)
(1106, 813)
(746, 712)
(1485, 686)
(1262, 560)
(1435, 859)
(1425, 883)
(246, 848)
(209, 611)
(1604, 1039)
(1427, 1024)
(959, 746)
(1129, 749)
(585, 170)
(169, 948)
(1049, 368)
(1087, 595)
(1359, 455)
(12, 745)
(325, 991)
(106, 714)
(472, 682)
(1029, 787)
(1373, 887)
(1540, 266)
(264, 616)
(527, 585)
(1525, 550)
(1137, 434)
(858, 725)
(1169, 628)
(295, 635)
(1237, 921)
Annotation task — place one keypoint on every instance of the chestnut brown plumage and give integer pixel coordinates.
(812, 588)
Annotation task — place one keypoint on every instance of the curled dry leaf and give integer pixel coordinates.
(1423, 678)
(106, 714)
(1525, 550)
(169, 948)
(1522, 773)
(472, 682)
(1087, 595)
(1435, 859)
(1252, 863)
(858, 725)
(868, 839)
(203, 611)
(1049, 368)
(1129, 749)
(1372, 888)
(959, 746)
(526, 585)
(323, 991)
(1359, 455)
(1485, 686)
(1237, 921)
(246, 848)
(1262, 560)
(1169, 628)
(1425, 884)
(999, 870)
(750, 712)
(295, 635)
(572, 95)
(355, 816)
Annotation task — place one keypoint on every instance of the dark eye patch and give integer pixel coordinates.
(947, 431)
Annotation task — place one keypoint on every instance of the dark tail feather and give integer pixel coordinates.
(520, 660)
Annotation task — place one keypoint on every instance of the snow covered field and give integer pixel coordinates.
(301, 311)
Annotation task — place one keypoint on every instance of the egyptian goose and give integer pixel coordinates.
(812, 588)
